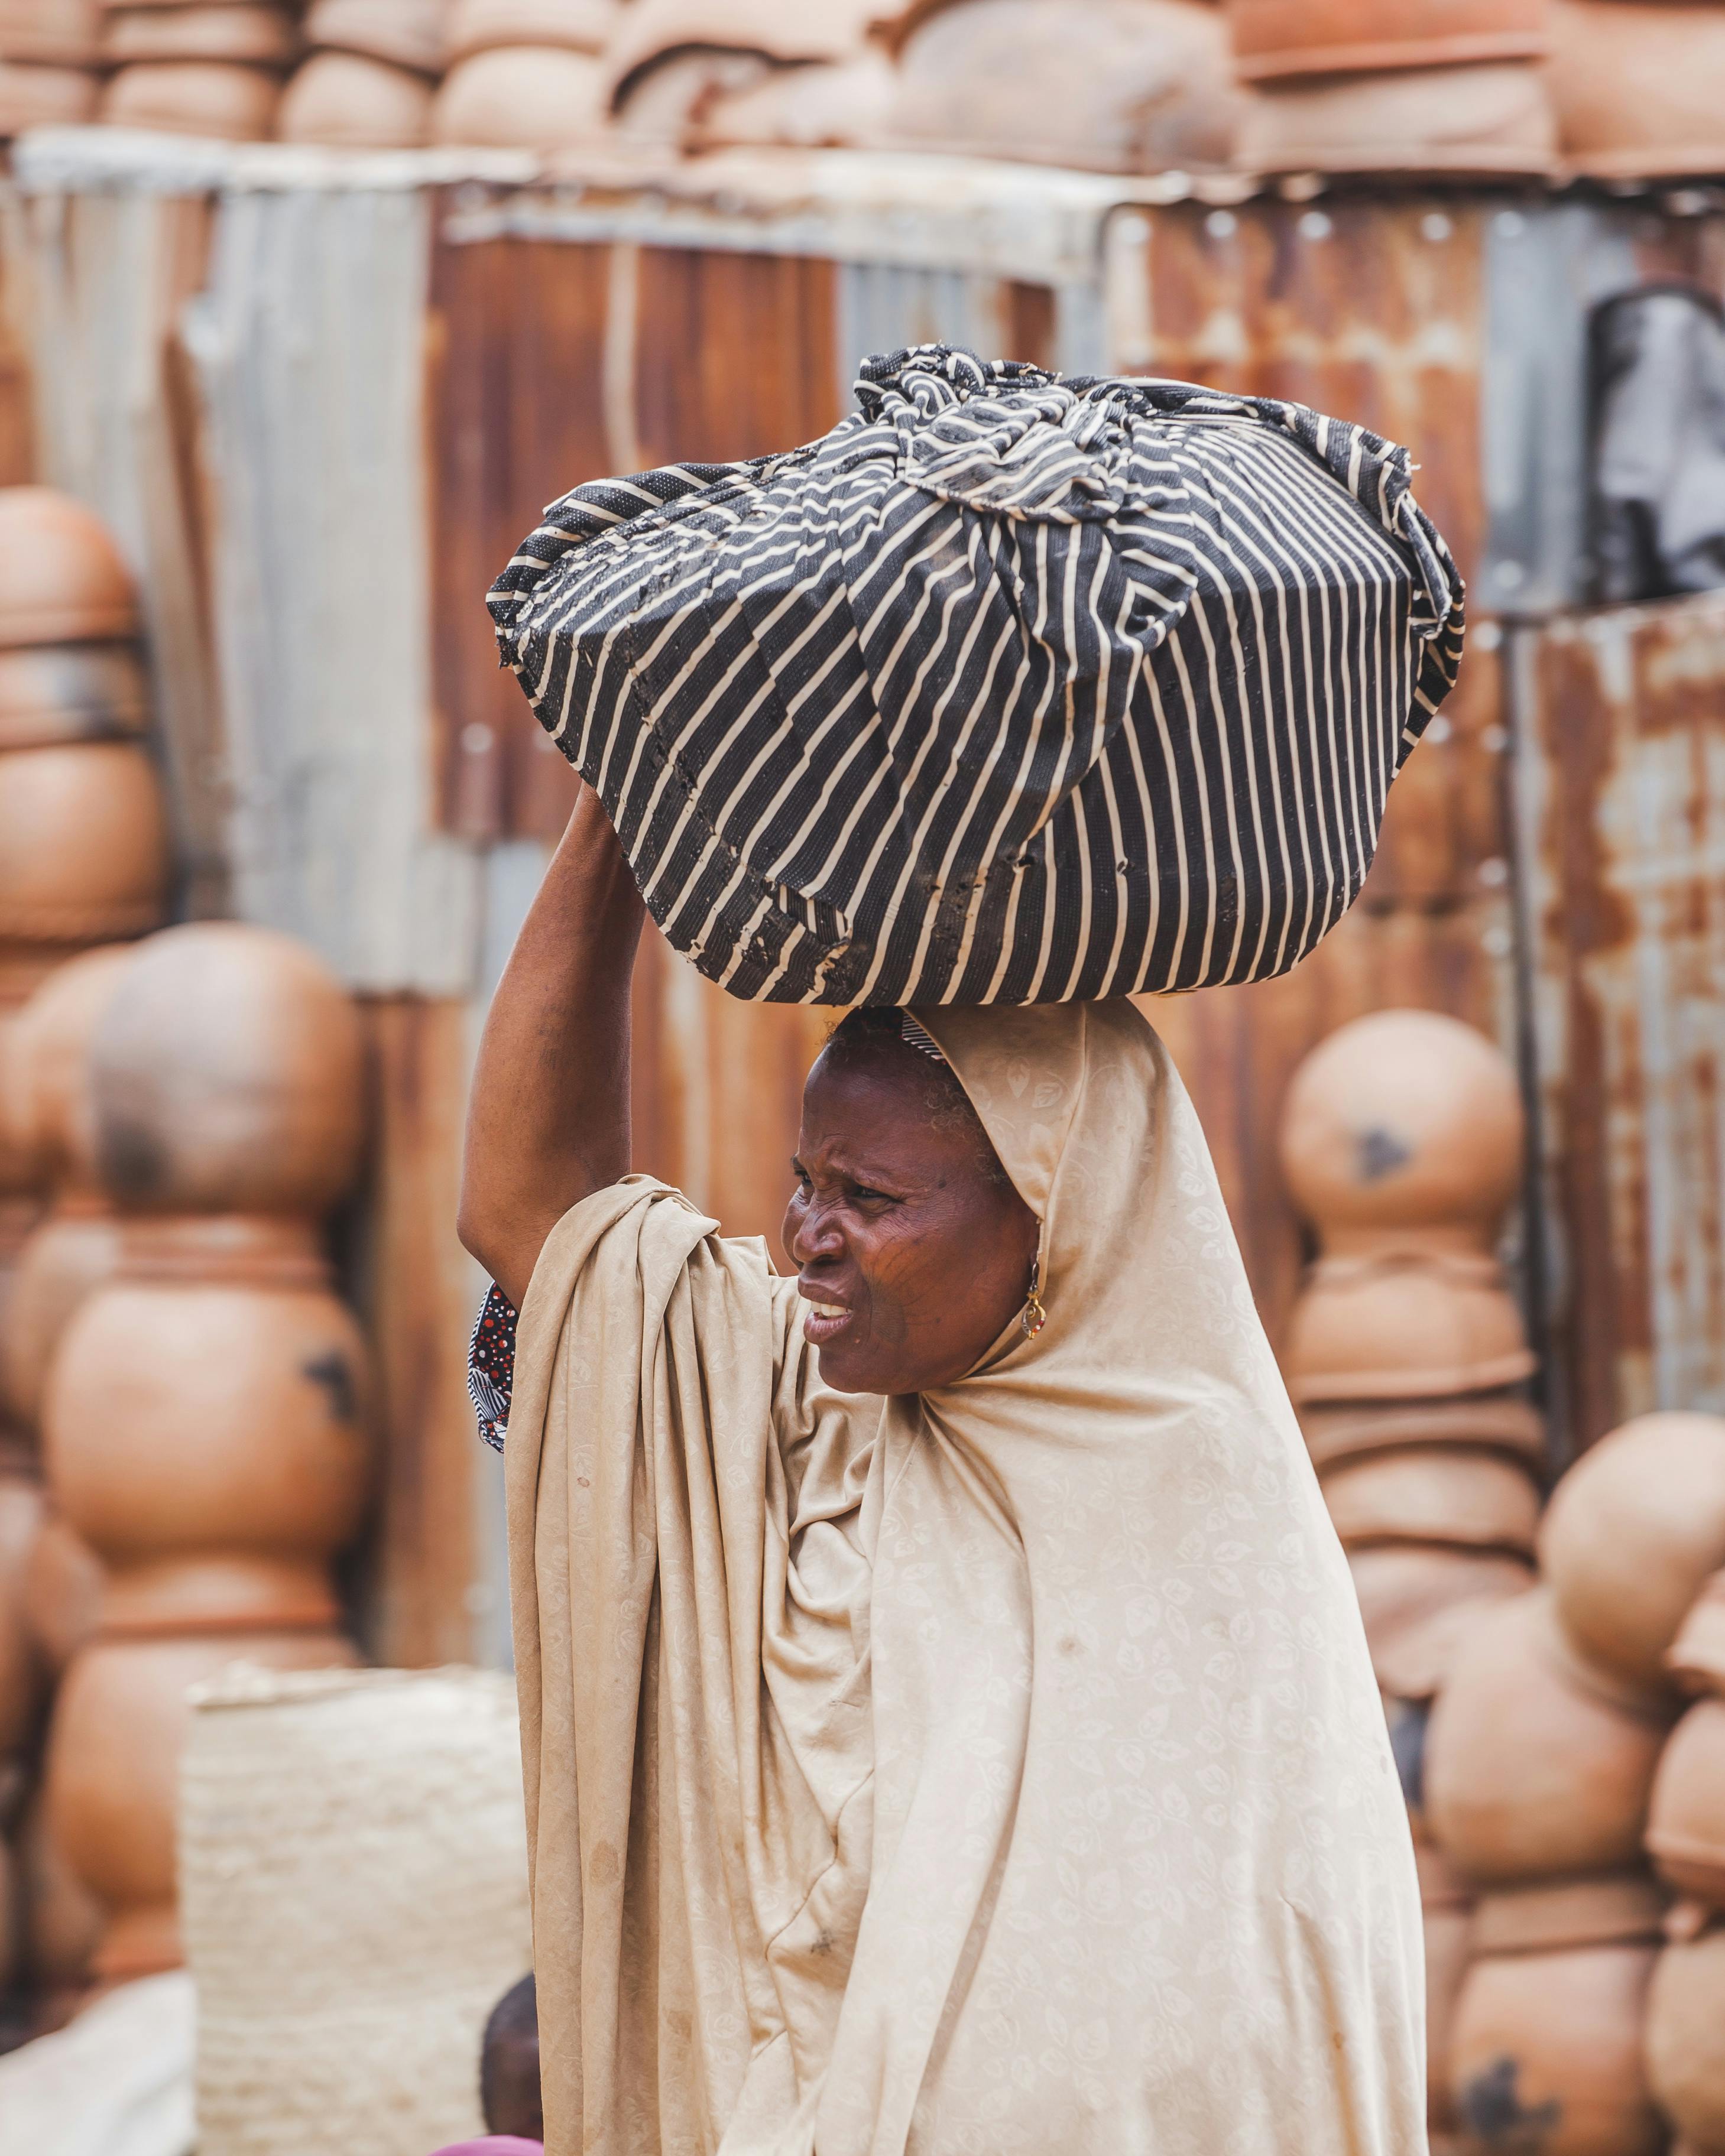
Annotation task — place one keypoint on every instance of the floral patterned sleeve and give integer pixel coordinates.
(490, 1366)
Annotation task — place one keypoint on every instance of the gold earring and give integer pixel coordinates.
(1033, 1317)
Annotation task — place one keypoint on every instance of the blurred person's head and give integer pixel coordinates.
(508, 2065)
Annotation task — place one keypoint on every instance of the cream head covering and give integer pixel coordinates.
(997, 1772)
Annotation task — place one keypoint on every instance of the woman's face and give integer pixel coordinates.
(912, 1248)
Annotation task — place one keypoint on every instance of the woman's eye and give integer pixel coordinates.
(870, 1197)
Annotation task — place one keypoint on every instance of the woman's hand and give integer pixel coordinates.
(548, 1120)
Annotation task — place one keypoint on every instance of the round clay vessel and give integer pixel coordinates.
(1695, 1658)
(521, 97)
(246, 31)
(59, 33)
(1631, 1533)
(51, 693)
(1460, 1495)
(61, 577)
(49, 1104)
(1418, 1602)
(83, 842)
(73, 1252)
(1495, 117)
(1684, 2039)
(408, 33)
(62, 1918)
(1403, 1328)
(1638, 89)
(1529, 1776)
(1604, 1909)
(20, 1672)
(1686, 1822)
(475, 26)
(1545, 2053)
(214, 98)
(1278, 37)
(1501, 1421)
(62, 1592)
(229, 1075)
(112, 1772)
(353, 102)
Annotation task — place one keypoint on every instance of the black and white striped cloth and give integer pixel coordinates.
(1012, 688)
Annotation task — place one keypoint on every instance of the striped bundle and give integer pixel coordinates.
(1011, 689)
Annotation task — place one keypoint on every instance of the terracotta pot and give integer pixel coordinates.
(1631, 1533)
(1147, 87)
(244, 31)
(817, 107)
(1502, 1420)
(1448, 1935)
(62, 1918)
(1546, 2053)
(61, 577)
(214, 99)
(62, 1592)
(1404, 1328)
(408, 33)
(112, 1769)
(1418, 1602)
(1608, 1908)
(1638, 89)
(1695, 1658)
(229, 1076)
(83, 842)
(1459, 1495)
(1686, 1822)
(208, 1440)
(73, 1252)
(49, 1107)
(350, 103)
(1492, 118)
(20, 1672)
(59, 33)
(526, 97)
(1529, 1776)
(1277, 38)
(51, 693)
(476, 26)
(39, 96)
(1684, 2039)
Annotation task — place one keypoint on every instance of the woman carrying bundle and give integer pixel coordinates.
(947, 1721)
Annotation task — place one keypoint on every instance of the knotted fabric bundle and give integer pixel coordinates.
(1011, 689)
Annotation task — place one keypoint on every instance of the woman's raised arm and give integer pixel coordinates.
(548, 1119)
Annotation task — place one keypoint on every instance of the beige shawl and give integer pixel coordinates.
(997, 1772)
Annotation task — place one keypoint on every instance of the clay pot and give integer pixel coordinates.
(244, 31)
(1504, 1421)
(112, 1771)
(1686, 1822)
(408, 33)
(229, 1074)
(60, 33)
(1278, 37)
(1684, 2039)
(40, 96)
(1529, 1775)
(62, 1592)
(76, 1249)
(83, 842)
(350, 103)
(62, 1920)
(1638, 89)
(1608, 1908)
(1546, 2053)
(1418, 1602)
(1458, 1495)
(1631, 1533)
(71, 692)
(214, 98)
(649, 32)
(817, 107)
(524, 97)
(1695, 1658)
(208, 1441)
(1404, 1328)
(20, 1672)
(1492, 118)
(49, 1107)
(61, 577)
(1116, 85)
(1447, 1911)
(475, 26)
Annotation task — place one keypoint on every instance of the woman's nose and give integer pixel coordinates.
(815, 1234)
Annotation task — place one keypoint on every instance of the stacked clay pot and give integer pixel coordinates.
(525, 73)
(48, 59)
(204, 1426)
(371, 77)
(1432, 85)
(212, 67)
(1639, 86)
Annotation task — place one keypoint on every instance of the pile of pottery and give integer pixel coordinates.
(211, 68)
(369, 81)
(1424, 86)
(48, 63)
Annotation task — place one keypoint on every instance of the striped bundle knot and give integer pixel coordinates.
(1012, 688)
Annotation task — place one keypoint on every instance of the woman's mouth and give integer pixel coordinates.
(824, 1321)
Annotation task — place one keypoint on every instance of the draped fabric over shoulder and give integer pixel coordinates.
(994, 1772)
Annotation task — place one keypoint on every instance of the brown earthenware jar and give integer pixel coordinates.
(215, 99)
(62, 579)
(47, 1078)
(34, 95)
(228, 1074)
(1695, 1658)
(1602, 1908)
(1273, 39)
(1638, 90)
(54, 693)
(62, 1920)
(521, 97)
(1403, 1327)
(406, 34)
(1684, 2039)
(1501, 1421)
(1447, 1911)
(1631, 1535)
(73, 1252)
(1686, 1822)
(59, 33)
(83, 842)
(21, 1673)
(62, 1592)
(1417, 1601)
(1528, 1775)
(349, 101)
(1460, 1495)
(250, 32)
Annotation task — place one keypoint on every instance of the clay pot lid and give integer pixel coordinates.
(1403, 1327)
(1503, 1419)
(1603, 1909)
(69, 692)
(218, 100)
(257, 1250)
(521, 97)
(348, 100)
(1464, 1496)
(1275, 39)
(62, 579)
(408, 33)
(585, 26)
